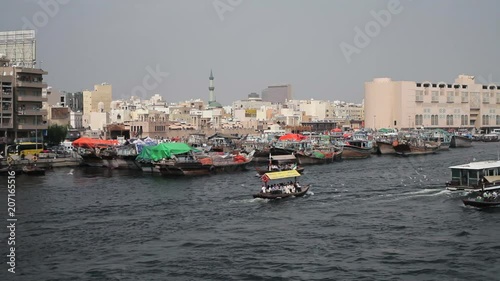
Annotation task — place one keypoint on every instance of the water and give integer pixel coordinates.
(383, 218)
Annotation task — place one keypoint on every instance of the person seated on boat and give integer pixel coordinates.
(263, 189)
(494, 195)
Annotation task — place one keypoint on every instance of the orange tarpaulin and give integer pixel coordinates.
(88, 142)
(292, 137)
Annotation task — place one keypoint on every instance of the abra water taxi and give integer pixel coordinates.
(281, 189)
(471, 177)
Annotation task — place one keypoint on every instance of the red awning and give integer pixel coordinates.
(88, 142)
(292, 137)
(337, 130)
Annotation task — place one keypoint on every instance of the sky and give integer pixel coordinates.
(326, 49)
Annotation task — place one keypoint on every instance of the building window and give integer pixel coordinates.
(486, 97)
(465, 97)
(486, 119)
(449, 97)
(435, 96)
(464, 120)
(419, 120)
(434, 120)
(449, 120)
(419, 96)
(498, 97)
(498, 119)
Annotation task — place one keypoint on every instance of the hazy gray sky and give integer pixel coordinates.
(251, 44)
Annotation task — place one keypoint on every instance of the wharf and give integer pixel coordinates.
(45, 160)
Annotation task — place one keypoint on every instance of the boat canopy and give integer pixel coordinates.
(88, 142)
(478, 165)
(283, 157)
(282, 175)
(492, 179)
(292, 137)
(163, 150)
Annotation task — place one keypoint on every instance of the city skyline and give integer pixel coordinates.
(325, 50)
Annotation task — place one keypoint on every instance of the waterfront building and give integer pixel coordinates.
(21, 113)
(102, 93)
(148, 123)
(409, 104)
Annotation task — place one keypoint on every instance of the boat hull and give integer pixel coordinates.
(481, 204)
(185, 169)
(407, 150)
(354, 152)
(385, 148)
(460, 141)
(310, 160)
(272, 196)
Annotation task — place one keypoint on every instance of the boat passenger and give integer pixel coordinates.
(494, 194)
(263, 189)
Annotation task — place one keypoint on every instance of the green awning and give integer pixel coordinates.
(163, 150)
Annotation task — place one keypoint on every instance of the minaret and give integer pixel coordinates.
(211, 88)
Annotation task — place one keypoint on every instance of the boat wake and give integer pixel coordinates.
(415, 194)
(247, 201)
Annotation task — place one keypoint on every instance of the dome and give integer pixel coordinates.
(214, 104)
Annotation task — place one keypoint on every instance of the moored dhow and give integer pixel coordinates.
(460, 141)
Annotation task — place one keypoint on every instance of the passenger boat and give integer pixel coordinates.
(481, 203)
(279, 163)
(291, 190)
(471, 177)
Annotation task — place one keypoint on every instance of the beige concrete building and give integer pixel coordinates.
(149, 123)
(21, 113)
(409, 104)
(98, 100)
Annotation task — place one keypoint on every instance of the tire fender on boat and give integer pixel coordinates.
(10, 160)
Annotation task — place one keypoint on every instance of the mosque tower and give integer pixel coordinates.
(212, 103)
(211, 88)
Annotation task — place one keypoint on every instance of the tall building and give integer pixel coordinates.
(98, 100)
(277, 94)
(212, 102)
(409, 104)
(21, 113)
